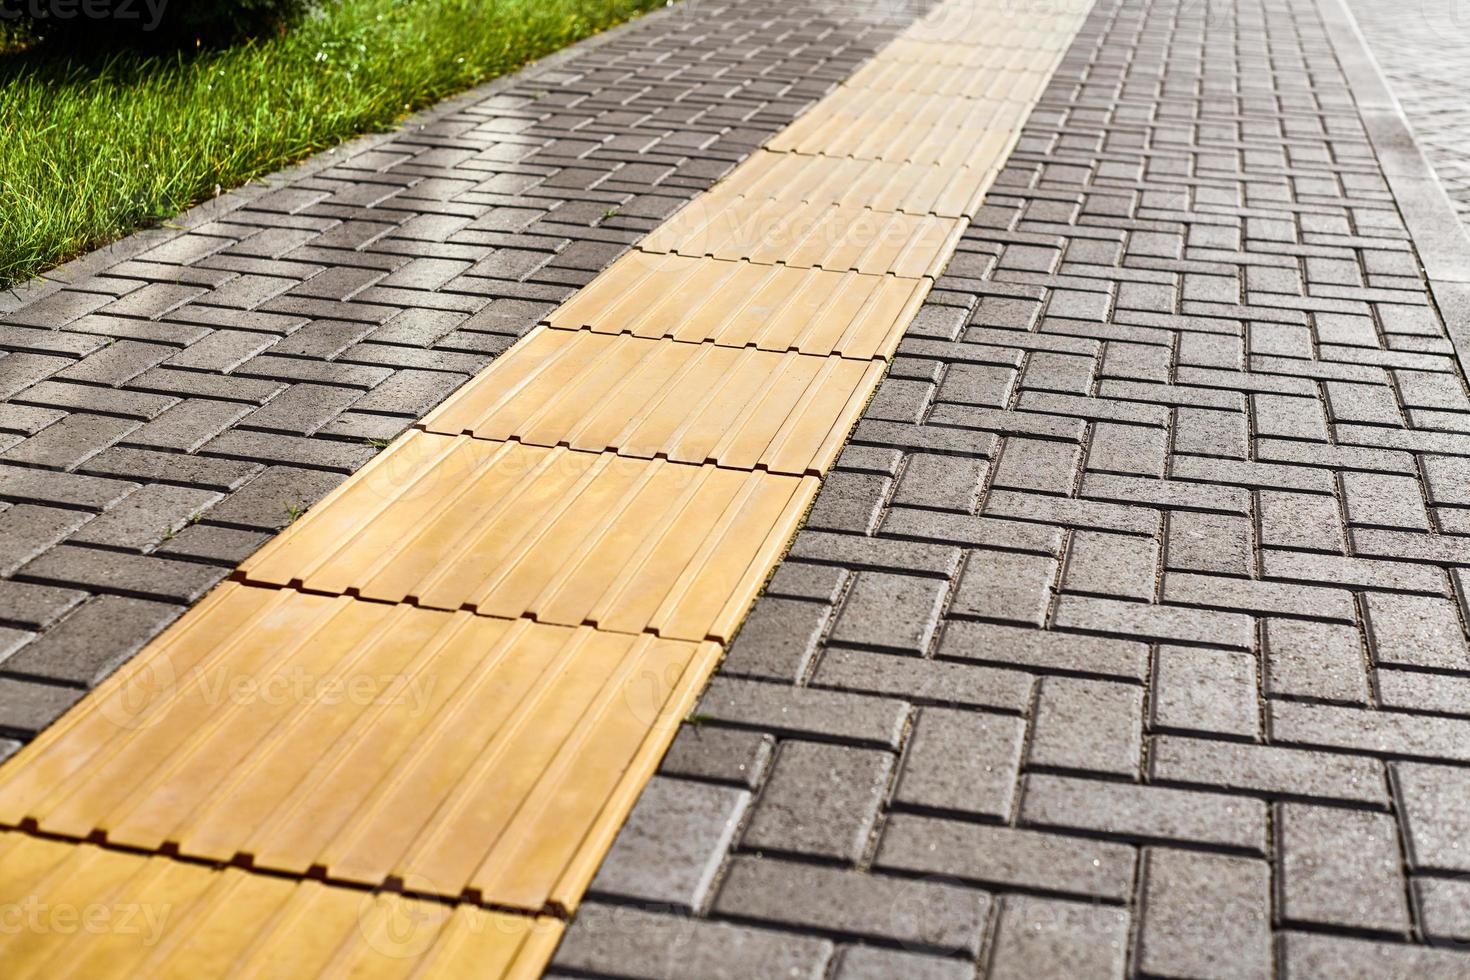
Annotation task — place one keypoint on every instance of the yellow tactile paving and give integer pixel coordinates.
(809, 236)
(456, 753)
(747, 409)
(455, 674)
(503, 529)
(82, 911)
(1000, 83)
(965, 138)
(948, 56)
(913, 188)
(738, 304)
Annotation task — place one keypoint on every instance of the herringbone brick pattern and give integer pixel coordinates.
(1127, 635)
(164, 416)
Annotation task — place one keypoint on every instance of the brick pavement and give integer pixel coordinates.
(1423, 47)
(173, 401)
(1127, 635)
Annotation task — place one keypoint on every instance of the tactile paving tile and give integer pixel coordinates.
(971, 132)
(1003, 84)
(737, 304)
(913, 188)
(84, 911)
(503, 529)
(809, 236)
(951, 56)
(690, 403)
(1030, 26)
(467, 756)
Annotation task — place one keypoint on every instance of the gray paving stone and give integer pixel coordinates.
(70, 441)
(924, 681)
(35, 606)
(672, 843)
(1415, 631)
(1204, 690)
(1045, 937)
(1316, 956)
(619, 941)
(1435, 802)
(1318, 660)
(874, 963)
(1087, 725)
(784, 711)
(152, 466)
(1136, 619)
(719, 755)
(1145, 813)
(27, 706)
(768, 646)
(961, 762)
(91, 641)
(1118, 565)
(1011, 587)
(1270, 770)
(1204, 915)
(922, 915)
(27, 531)
(1341, 868)
(146, 517)
(1014, 646)
(140, 576)
(223, 546)
(820, 801)
(1444, 908)
(896, 612)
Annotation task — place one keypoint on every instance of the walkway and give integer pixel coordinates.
(1123, 636)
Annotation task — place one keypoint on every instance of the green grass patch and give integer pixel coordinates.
(93, 148)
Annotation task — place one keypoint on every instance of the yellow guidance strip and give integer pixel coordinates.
(453, 677)
(809, 236)
(910, 188)
(75, 910)
(464, 756)
(563, 537)
(743, 409)
(737, 304)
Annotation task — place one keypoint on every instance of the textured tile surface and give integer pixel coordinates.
(473, 757)
(565, 537)
(101, 913)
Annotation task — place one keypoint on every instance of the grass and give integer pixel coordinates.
(91, 149)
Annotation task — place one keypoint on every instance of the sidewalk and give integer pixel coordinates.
(1125, 635)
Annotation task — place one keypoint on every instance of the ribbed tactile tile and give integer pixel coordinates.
(949, 131)
(1021, 83)
(690, 403)
(83, 911)
(806, 236)
(913, 188)
(738, 304)
(464, 755)
(503, 529)
(950, 56)
(987, 24)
